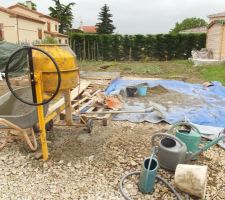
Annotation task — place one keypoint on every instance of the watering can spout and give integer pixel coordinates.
(206, 147)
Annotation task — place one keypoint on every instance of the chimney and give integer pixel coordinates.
(29, 4)
(81, 25)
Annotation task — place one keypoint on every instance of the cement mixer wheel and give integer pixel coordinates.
(48, 126)
(89, 125)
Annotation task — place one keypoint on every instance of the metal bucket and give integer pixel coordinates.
(142, 90)
(147, 177)
(131, 91)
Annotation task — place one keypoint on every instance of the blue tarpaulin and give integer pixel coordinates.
(209, 112)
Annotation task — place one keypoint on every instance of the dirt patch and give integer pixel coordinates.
(157, 90)
(163, 99)
(169, 98)
(69, 144)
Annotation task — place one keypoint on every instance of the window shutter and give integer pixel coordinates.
(40, 34)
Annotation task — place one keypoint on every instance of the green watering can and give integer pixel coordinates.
(191, 136)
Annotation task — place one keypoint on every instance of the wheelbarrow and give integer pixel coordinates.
(15, 115)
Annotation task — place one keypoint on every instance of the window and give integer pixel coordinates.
(60, 41)
(66, 41)
(40, 34)
(56, 27)
(49, 26)
(1, 32)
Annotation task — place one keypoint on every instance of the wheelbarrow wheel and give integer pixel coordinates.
(49, 125)
(36, 128)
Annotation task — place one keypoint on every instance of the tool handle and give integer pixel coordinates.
(166, 135)
(183, 123)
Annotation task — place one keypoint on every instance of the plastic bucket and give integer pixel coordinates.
(142, 90)
(147, 177)
(131, 91)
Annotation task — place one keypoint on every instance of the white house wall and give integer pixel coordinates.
(37, 16)
(9, 27)
(28, 31)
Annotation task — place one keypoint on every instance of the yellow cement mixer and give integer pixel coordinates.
(52, 68)
(66, 60)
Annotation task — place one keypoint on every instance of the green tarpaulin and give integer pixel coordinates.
(19, 61)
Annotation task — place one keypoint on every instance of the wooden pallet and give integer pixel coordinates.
(87, 101)
(105, 118)
(89, 104)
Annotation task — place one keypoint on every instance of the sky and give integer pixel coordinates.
(133, 16)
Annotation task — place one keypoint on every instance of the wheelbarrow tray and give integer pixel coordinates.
(18, 113)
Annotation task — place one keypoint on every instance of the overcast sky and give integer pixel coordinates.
(136, 16)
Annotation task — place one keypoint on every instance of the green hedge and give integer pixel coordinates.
(135, 47)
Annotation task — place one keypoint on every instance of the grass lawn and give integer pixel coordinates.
(177, 69)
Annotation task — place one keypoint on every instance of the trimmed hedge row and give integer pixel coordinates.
(135, 47)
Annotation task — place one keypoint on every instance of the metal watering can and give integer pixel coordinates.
(171, 151)
(148, 173)
(191, 136)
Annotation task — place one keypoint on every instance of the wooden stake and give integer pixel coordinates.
(130, 54)
(94, 51)
(68, 108)
(84, 49)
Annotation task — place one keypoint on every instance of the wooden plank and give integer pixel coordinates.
(79, 102)
(56, 108)
(74, 93)
(106, 119)
(98, 116)
(68, 108)
(99, 110)
(91, 102)
(53, 114)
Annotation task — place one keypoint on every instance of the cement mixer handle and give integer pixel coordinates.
(166, 135)
(183, 123)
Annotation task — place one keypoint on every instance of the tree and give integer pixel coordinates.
(105, 26)
(34, 6)
(64, 14)
(188, 23)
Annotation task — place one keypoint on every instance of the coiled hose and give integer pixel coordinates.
(158, 177)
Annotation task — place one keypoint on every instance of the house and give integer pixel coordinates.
(202, 29)
(21, 24)
(216, 35)
(88, 29)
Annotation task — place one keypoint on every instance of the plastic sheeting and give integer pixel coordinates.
(209, 112)
(19, 61)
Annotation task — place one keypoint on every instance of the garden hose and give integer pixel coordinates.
(158, 177)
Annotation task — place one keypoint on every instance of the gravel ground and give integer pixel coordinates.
(88, 167)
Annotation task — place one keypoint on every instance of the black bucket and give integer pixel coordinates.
(131, 91)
